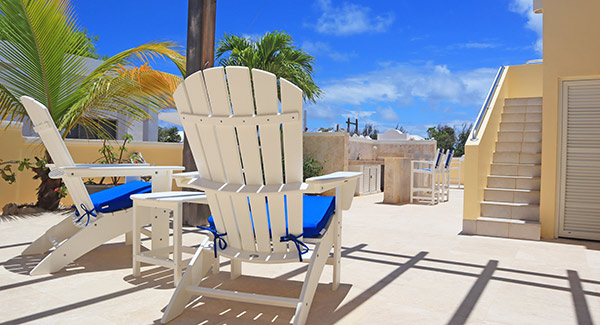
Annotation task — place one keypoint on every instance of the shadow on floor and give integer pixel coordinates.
(118, 256)
(212, 311)
(328, 306)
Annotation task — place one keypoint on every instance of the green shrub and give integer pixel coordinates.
(312, 167)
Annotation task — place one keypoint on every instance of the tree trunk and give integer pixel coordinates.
(47, 198)
(200, 55)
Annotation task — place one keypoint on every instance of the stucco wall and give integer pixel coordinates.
(336, 148)
(13, 146)
(367, 149)
(331, 148)
(571, 51)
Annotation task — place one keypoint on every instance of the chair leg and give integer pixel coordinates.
(196, 270)
(236, 269)
(337, 241)
(412, 182)
(107, 227)
(216, 266)
(317, 262)
(56, 233)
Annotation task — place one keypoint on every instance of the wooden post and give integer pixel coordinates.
(200, 55)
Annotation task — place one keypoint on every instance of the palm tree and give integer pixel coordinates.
(273, 52)
(42, 56)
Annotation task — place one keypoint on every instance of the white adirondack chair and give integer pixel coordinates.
(99, 217)
(444, 184)
(249, 157)
(424, 177)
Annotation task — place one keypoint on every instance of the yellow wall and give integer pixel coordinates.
(571, 51)
(517, 81)
(15, 147)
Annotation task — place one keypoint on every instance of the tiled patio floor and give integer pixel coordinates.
(402, 265)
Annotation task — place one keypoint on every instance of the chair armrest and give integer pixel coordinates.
(345, 181)
(102, 170)
(320, 184)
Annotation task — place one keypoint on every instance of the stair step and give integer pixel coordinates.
(523, 147)
(523, 101)
(521, 117)
(510, 210)
(511, 195)
(519, 136)
(517, 157)
(513, 182)
(508, 228)
(522, 109)
(516, 169)
(521, 126)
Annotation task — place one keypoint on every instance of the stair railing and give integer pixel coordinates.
(486, 104)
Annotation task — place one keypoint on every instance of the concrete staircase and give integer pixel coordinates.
(511, 206)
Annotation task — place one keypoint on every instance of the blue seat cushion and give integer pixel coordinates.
(317, 210)
(117, 198)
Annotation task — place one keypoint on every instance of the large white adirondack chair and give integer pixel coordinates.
(249, 156)
(100, 217)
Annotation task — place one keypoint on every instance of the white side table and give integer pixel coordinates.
(144, 206)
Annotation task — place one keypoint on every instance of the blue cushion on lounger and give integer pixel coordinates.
(317, 212)
(117, 198)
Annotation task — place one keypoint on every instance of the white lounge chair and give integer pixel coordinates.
(99, 217)
(249, 156)
(424, 177)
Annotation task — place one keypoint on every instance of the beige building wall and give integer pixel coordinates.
(13, 146)
(571, 51)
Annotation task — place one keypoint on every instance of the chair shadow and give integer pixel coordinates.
(112, 256)
(204, 310)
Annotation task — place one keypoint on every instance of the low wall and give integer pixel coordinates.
(13, 146)
(331, 148)
(337, 148)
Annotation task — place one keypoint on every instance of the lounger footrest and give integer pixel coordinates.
(245, 297)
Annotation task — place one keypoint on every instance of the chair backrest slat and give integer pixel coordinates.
(291, 101)
(254, 152)
(45, 127)
(265, 93)
(242, 100)
(449, 158)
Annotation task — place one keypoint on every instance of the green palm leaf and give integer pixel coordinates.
(273, 52)
(41, 57)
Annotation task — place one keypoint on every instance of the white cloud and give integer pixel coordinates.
(388, 114)
(401, 83)
(349, 19)
(534, 21)
(322, 48)
(478, 45)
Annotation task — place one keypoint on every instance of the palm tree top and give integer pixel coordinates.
(274, 52)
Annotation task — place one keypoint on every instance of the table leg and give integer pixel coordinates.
(136, 242)
(177, 233)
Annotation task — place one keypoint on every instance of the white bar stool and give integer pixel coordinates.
(144, 211)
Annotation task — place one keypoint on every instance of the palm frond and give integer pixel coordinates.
(38, 34)
(274, 52)
(129, 93)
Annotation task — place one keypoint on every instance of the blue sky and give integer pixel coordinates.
(412, 63)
